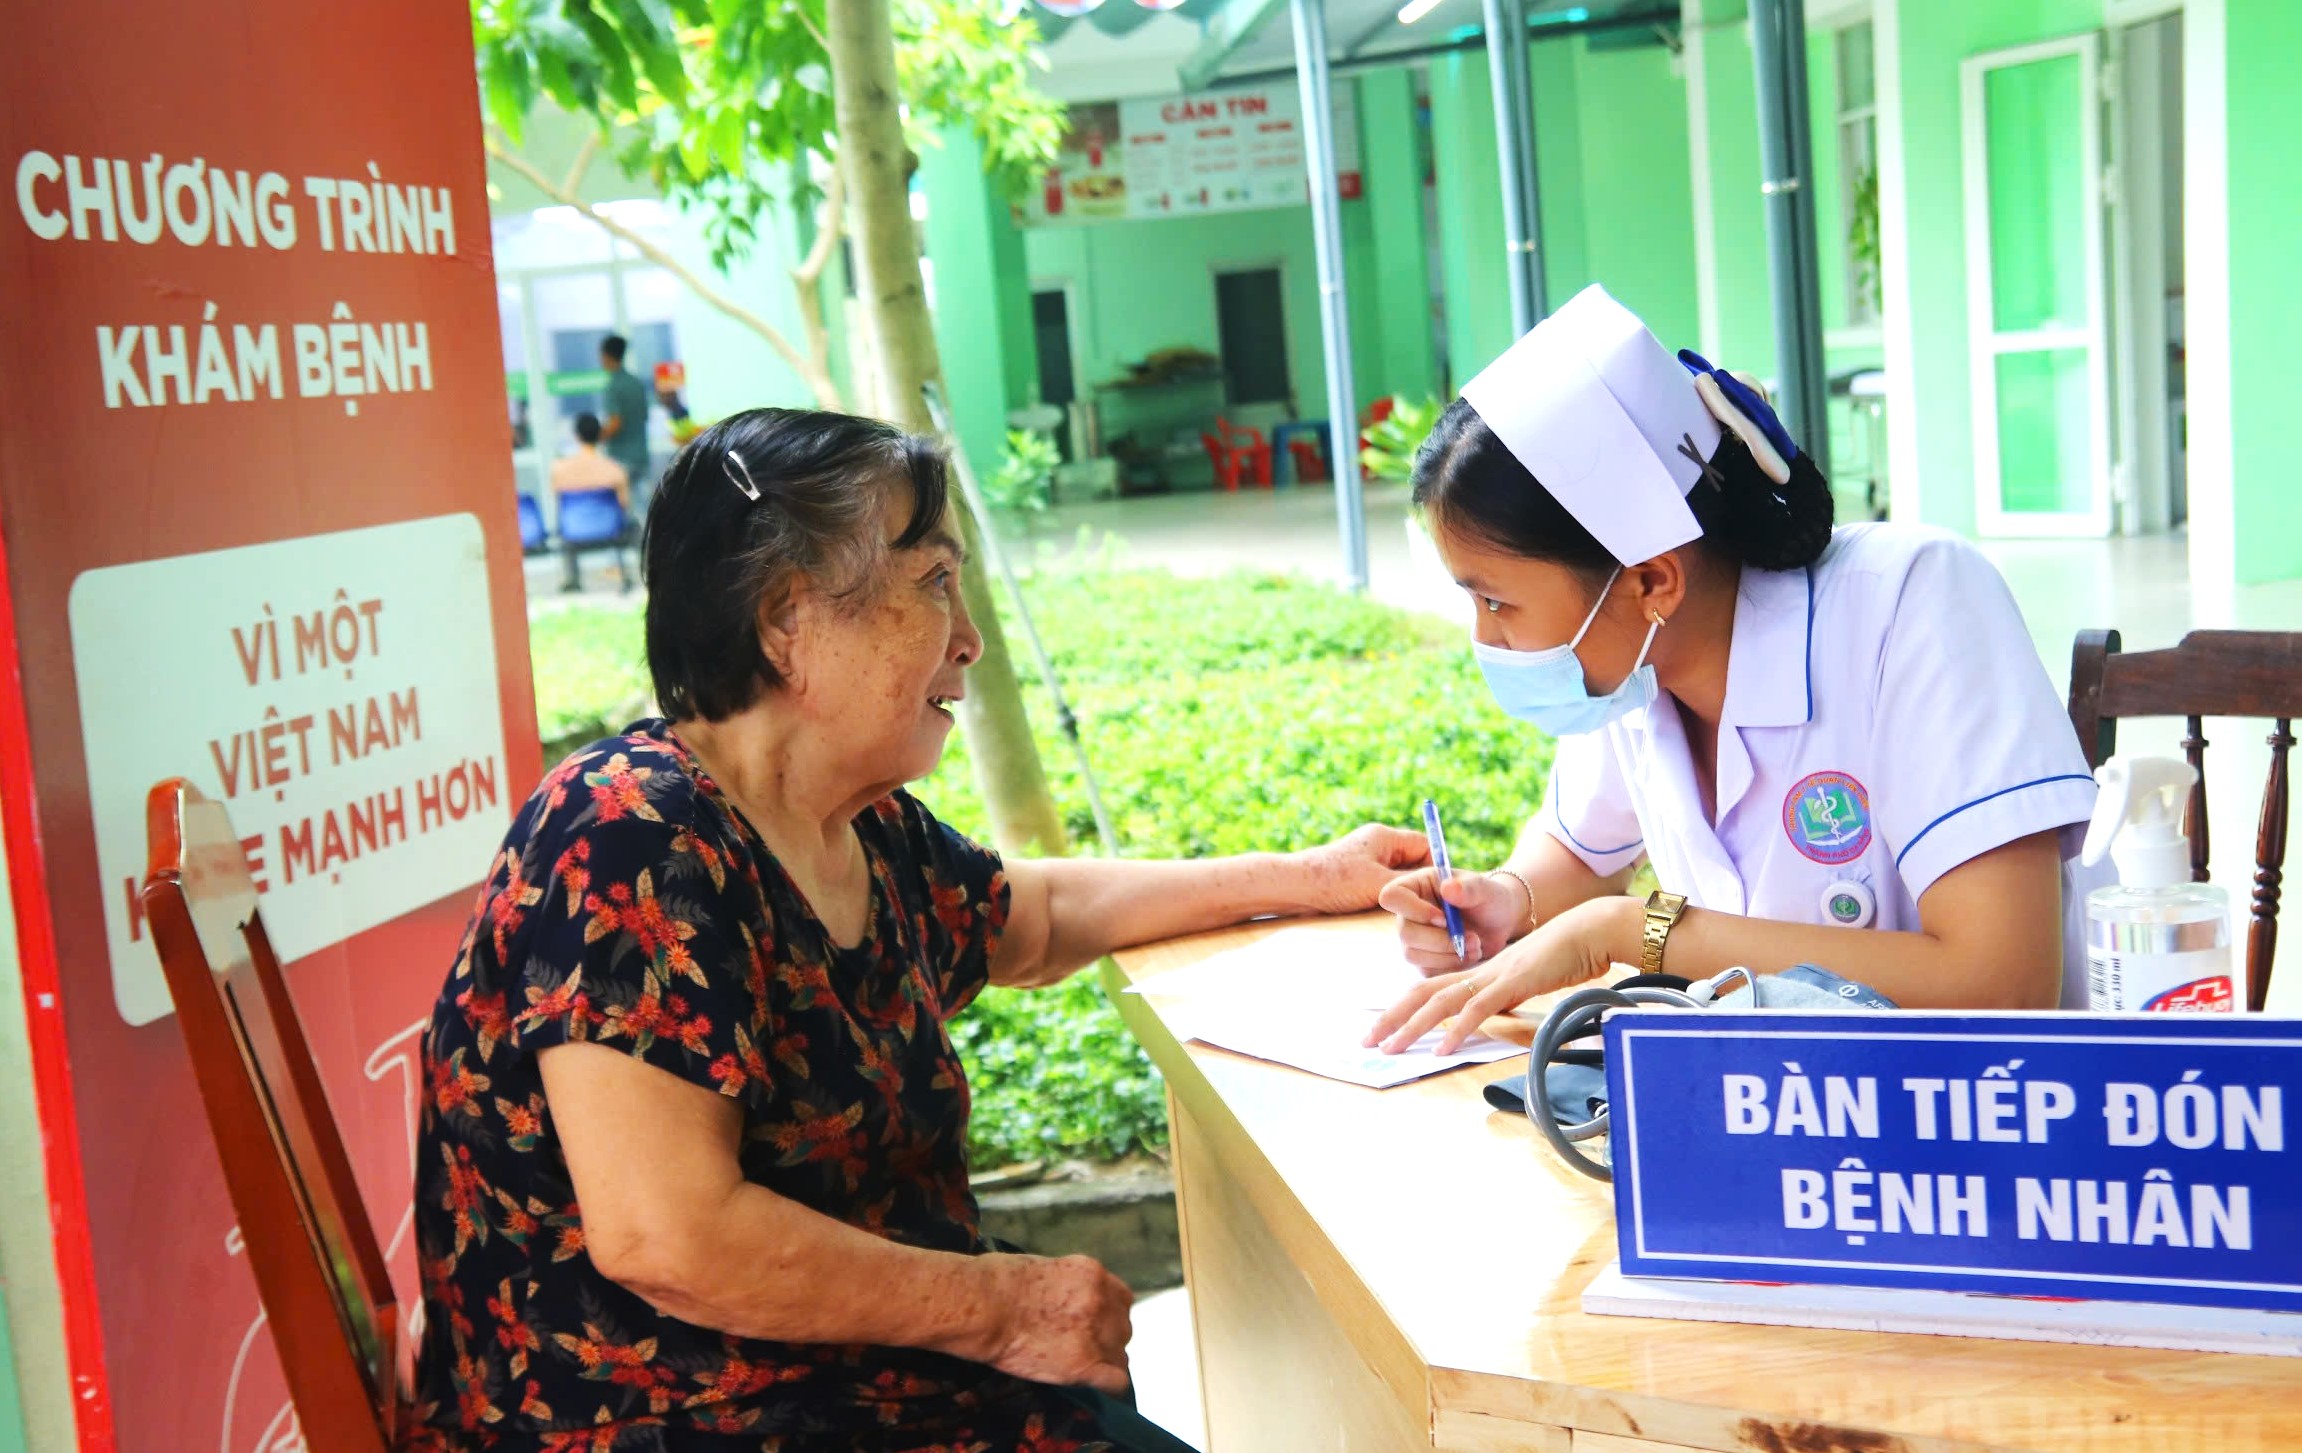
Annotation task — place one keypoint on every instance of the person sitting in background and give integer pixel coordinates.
(587, 468)
(693, 1177)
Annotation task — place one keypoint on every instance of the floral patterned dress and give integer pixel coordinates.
(632, 906)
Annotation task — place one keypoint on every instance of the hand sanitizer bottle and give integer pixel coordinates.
(2156, 941)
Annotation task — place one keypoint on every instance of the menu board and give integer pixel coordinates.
(1227, 150)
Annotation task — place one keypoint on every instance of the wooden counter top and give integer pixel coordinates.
(1452, 1249)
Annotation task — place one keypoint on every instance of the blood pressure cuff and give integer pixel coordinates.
(1577, 1080)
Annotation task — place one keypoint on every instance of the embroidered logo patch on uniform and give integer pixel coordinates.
(1827, 818)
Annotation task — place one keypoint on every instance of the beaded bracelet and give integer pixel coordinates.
(1524, 887)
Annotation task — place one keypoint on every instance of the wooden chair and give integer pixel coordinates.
(2211, 673)
(318, 1269)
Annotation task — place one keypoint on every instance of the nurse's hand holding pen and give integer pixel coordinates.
(1563, 950)
(1493, 907)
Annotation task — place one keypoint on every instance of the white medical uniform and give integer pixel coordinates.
(1886, 720)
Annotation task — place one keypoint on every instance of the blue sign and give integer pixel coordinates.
(2110, 1157)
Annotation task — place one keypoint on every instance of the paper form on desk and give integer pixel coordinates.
(1365, 970)
(1306, 997)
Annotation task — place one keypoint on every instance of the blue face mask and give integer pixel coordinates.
(1545, 688)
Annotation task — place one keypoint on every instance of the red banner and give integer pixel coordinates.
(256, 529)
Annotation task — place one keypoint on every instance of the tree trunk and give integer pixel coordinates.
(878, 167)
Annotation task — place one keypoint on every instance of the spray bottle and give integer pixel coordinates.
(2156, 941)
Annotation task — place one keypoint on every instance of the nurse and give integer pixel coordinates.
(1835, 747)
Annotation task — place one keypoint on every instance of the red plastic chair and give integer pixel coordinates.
(1240, 454)
(1309, 461)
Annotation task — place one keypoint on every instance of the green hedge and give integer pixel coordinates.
(1223, 715)
(590, 672)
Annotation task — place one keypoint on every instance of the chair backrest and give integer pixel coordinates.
(591, 517)
(531, 523)
(2211, 673)
(318, 1270)
(1238, 436)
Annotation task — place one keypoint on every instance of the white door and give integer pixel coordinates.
(2036, 294)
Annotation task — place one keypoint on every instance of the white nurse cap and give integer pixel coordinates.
(1598, 412)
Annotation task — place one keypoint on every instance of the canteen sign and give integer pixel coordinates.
(2096, 1157)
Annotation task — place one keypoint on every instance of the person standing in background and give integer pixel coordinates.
(624, 422)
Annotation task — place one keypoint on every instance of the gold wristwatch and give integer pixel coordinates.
(1663, 912)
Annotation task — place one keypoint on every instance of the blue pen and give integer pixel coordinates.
(1446, 871)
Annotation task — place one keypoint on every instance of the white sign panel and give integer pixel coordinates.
(1208, 151)
(1218, 151)
(333, 692)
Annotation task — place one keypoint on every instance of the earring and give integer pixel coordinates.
(1655, 615)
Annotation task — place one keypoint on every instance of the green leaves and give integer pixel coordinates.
(1393, 440)
(725, 105)
(590, 675)
(1021, 484)
(1054, 1073)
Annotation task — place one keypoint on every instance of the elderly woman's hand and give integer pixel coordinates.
(1061, 1320)
(1348, 875)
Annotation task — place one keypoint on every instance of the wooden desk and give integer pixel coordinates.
(1403, 1269)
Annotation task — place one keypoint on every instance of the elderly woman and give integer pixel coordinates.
(693, 1165)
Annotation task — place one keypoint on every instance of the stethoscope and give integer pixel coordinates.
(1578, 1015)
(1847, 902)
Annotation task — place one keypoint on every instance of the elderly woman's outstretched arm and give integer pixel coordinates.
(1069, 912)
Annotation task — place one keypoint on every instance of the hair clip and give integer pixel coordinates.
(1712, 475)
(739, 474)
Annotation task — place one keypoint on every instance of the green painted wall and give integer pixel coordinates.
(1557, 103)
(1405, 353)
(1933, 39)
(1470, 209)
(1744, 332)
(982, 297)
(2265, 108)
(1148, 284)
(1617, 194)
(1635, 189)
(1140, 286)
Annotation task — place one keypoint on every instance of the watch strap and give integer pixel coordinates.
(1663, 911)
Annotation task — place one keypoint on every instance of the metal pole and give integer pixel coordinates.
(1334, 305)
(1778, 56)
(1508, 71)
(988, 529)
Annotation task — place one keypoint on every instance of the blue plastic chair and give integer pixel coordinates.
(531, 525)
(594, 518)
